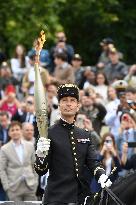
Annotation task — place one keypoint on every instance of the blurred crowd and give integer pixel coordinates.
(107, 111)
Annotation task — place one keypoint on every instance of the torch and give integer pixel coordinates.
(41, 107)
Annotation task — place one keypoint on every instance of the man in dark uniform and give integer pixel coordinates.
(67, 153)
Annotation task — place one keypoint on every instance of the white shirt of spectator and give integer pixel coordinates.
(108, 165)
(19, 148)
(112, 119)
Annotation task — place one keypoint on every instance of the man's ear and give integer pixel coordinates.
(78, 106)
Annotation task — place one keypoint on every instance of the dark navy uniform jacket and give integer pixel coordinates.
(71, 153)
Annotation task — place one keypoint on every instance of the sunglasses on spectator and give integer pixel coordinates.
(108, 141)
(29, 102)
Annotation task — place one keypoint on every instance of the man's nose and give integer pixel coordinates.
(68, 103)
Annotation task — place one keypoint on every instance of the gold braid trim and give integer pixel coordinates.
(38, 167)
(97, 168)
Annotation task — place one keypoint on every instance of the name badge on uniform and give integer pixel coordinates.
(83, 140)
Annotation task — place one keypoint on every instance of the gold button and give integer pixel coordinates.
(74, 153)
(74, 148)
(71, 132)
(75, 159)
(72, 138)
(73, 142)
(77, 170)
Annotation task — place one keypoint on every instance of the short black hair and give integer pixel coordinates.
(61, 55)
(4, 113)
(15, 123)
(131, 90)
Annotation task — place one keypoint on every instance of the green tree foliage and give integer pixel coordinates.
(22, 20)
(87, 22)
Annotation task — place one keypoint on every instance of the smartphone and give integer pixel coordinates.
(80, 121)
(131, 144)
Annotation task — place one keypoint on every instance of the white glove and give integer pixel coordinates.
(104, 182)
(43, 146)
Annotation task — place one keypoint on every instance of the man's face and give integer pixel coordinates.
(30, 104)
(52, 91)
(28, 132)
(105, 47)
(114, 57)
(57, 61)
(4, 121)
(15, 132)
(111, 93)
(130, 96)
(60, 36)
(76, 63)
(68, 106)
(87, 101)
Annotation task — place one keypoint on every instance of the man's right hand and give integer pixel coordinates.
(43, 146)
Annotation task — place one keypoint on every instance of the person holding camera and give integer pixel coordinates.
(127, 131)
(109, 158)
(109, 155)
(84, 123)
(128, 163)
(67, 152)
(130, 78)
(94, 111)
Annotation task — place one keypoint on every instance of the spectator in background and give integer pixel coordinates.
(44, 56)
(61, 47)
(109, 155)
(78, 70)
(111, 118)
(84, 123)
(4, 124)
(128, 163)
(10, 103)
(109, 158)
(53, 111)
(29, 77)
(118, 104)
(28, 132)
(51, 93)
(104, 57)
(6, 77)
(130, 78)
(90, 75)
(70, 50)
(17, 175)
(4, 138)
(131, 94)
(101, 86)
(115, 69)
(26, 112)
(94, 111)
(63, 71)
(127, 131)
(20, 62)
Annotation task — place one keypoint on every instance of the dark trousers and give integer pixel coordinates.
(3, 196)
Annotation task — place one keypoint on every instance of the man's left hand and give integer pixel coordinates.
(104, 181)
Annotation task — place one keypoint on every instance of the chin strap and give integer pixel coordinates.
(113, 196)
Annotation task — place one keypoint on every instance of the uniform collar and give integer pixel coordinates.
(67, 125)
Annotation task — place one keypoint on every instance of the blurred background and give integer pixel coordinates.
(84, 22)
